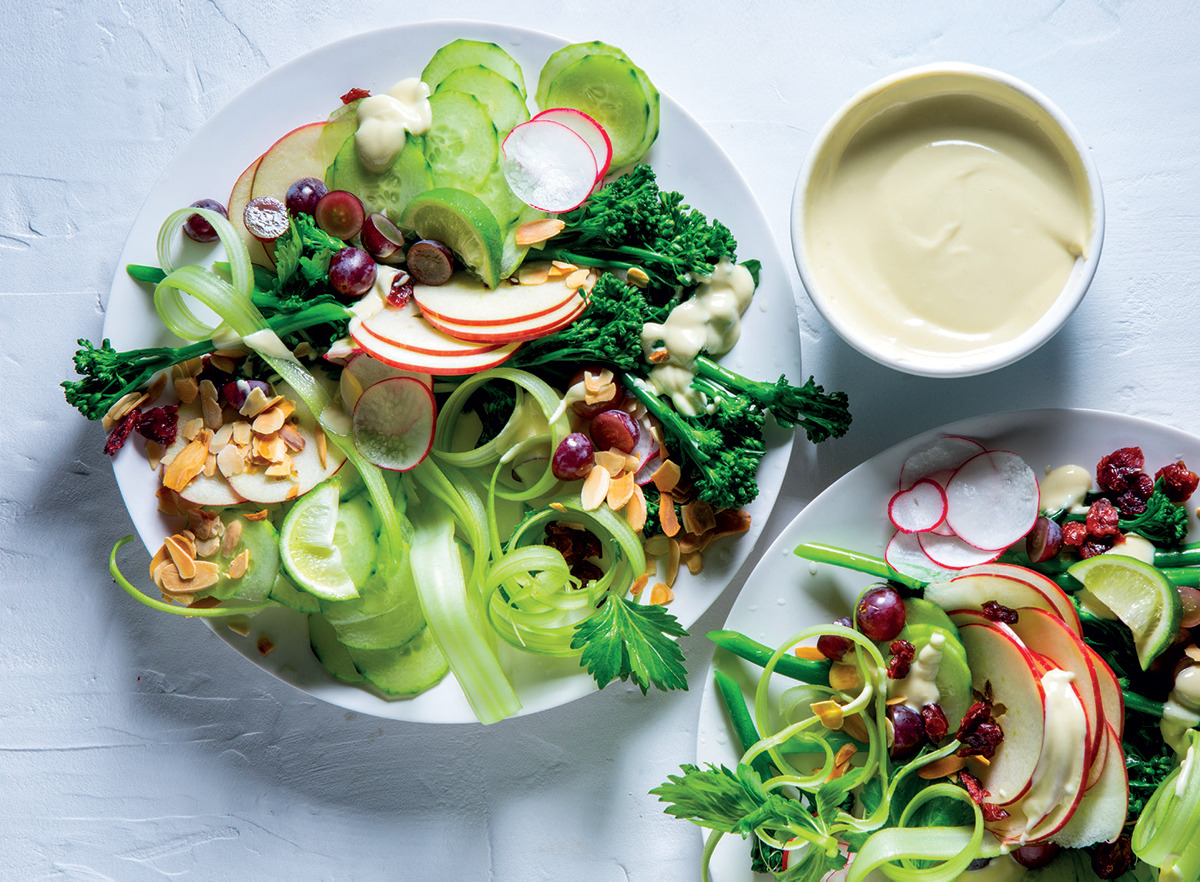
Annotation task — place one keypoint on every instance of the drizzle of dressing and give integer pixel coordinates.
(384, 120)
(1064, 487)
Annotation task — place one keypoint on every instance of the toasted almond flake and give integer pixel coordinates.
(661, 595)
(238, 625)
(845, 752)
(181, 556)
(210, 465)
(635, 510)
(698, 517)
(292, 438)
(257, 515)
(242, 432)
(233, 535)
(187, 389)
(222, 364)
(293, 492)
(730, 522)
(121, 408)
(533, 232)
(605, 393)
(838, 770)
(577, 279)
(255, 403)
(694, 561)
(939, 768)
(560, 269)
(895, 700)
(265, 644)
(230, 461)
(829, 713)
(594, 382)
(208, 390)
(222, 436)
(1193, 652)
(666, 476)
(856, 729)
(270, 449)
(595, 489)
(157, 573)
(193, 366)
(658, 355)
(268, 422)
(186, 465)
(168, 501)
(206, 548)
(809, 653)
(656, 545)
(672, 562)
(207, 602)
(239, 565)
(632, 463)
(637, 277)
(639, 584)
(207, 574)
(322, 448)
(212, 413)
(233, 354)
(157, 385)
(160, 557)
(844, 677)
(536, 273)
(667, 516)
(620, 490)
(192, 428)
(302, 350)
(154, 453)
(612, 461)
(558, 506)
(280, 469)
(288, 407)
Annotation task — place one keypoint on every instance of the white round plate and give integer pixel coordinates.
(307, 89)
(785, 594)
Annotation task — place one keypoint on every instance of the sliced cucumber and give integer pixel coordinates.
(918, 611)
(388, 192)
(356, 536)
(389, 630)
(381, 594)
(407, 670)
(334, 657)
(505, 103)
(462, 144)
(287, 594)
(262, 541)
(467, 53)
(602, 88)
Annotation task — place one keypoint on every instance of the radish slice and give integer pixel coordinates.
(363, 371)
(905, 555)
(992, 500)
(947, 454)
(393, 423)
(588, 129)
(548, 166)
(919, 508)
(952, 553)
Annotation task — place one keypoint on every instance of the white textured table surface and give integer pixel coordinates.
(137, 747)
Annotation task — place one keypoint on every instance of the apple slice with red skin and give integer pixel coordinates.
(465, 300)
(1043, 583)
(308, 470)
(406, 328)
(1101, 814)
(972, 588)
(518, 331)
(999, 661)
(203, 489)
(1112, 699)
(437, 365)
(294, 156)
(236, 206)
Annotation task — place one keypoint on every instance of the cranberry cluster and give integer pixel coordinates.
(979, 732)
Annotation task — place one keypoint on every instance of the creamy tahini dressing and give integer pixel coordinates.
(1182, 708)
(1064, 487)
(920, 688)
(384, 120)
(1059, 769)
(710, 321)
(949, 224)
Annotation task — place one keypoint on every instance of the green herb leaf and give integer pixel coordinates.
(288, 249)
(632, 641)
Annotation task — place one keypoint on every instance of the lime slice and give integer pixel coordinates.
(307, 548)
(462, 223)
(1139, 595)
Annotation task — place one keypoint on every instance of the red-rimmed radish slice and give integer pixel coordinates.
(588, 129)
(393, 423)
(945, 455)
(548, 165)
(919, 508)
(443, 365)
(952, 553)
(905, 555)
(363, 371)
(992, 500)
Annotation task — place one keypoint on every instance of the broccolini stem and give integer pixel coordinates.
(1136, 702)
(672, 421)
(854, 560)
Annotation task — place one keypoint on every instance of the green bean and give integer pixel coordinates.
(788, 665)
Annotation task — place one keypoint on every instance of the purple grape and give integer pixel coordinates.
(266, 218)
(1035, 854)
(430, 262)
(833, 647)
(909, 731)
(1044, 541)
(235, 392)
(303, 196)
(880, 613)
(381, 238)
(340, 214)
(197, 228)
(574, 457)
(352, 273)
(615, 429)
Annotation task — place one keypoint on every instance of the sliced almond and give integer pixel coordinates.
(656, 545)
(856, 729)
(208, 390)
(222, 363)
(239, 565)
(181, 556)
(206, 548)
(233, 535)
(577, 279)
(207, 574)
(160, 557)
(210, 465)
(154, 453)
(257, 515)
(192, 428)
(242, 432)
(1193, 652)
(639, 584)
(808, 653)
(612, 461)
(620, 490)
(268, 422)
(667, 517)
(844, 677)
(238, 625)
(291, 437)
(595, 489)
(322, 448)
(281, 469)
(255, 403)
(661, 595)
(121, 408)
(694, 561)
(940, 768)
(637, 277)
(561, 269)
(698, 517)
(536, 273)
(533, 232)
(658, 355)
(293, 492)
(230, 461)
(829, 713)
(168, 501)
(187, 389)
(635, 510)
(233, 354)
(672, 562)
(186, 465)
(270, 449)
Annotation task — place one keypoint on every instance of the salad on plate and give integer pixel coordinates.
(1006, 686)
(449, 384)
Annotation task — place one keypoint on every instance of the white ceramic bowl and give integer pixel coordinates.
(973, 89)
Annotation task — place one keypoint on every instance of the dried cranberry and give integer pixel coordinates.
(1112, 860)
(978, 795)
(977, 713)
(586, 571)
(903, 654)
(573, 544)
(1114, 471)
(1103, 520)
(1132, 500)
(1074, 534)
(354, 94)
(979, 732)
(401, 291)
(997, 612)
(1092, 546)
(120, 433)
(936, 724)
(160, 424)
(1179, 482)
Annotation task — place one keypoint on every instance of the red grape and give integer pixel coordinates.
(1044, 541)
(574, 457)
(197, 228)
(266, 218)
(909, 731)
(430, 262)
(340, 214)
(381, 238)
(1035, 854)
(615, 428)
(880, 613)
(352, 273)
(303, 196)
(833, 647)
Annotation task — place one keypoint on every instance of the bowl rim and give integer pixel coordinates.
(1060, 310)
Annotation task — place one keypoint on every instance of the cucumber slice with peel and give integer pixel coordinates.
(462, 143)
(388, 192)
(408, 670)
(286, 594)
(334, 657)
(467, 53)
(504, 102)
(260, 540)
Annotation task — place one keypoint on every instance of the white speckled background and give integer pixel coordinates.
(133, 747)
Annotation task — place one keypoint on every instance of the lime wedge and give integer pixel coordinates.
(307, 548)
(1139, 595)
(462, 223)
